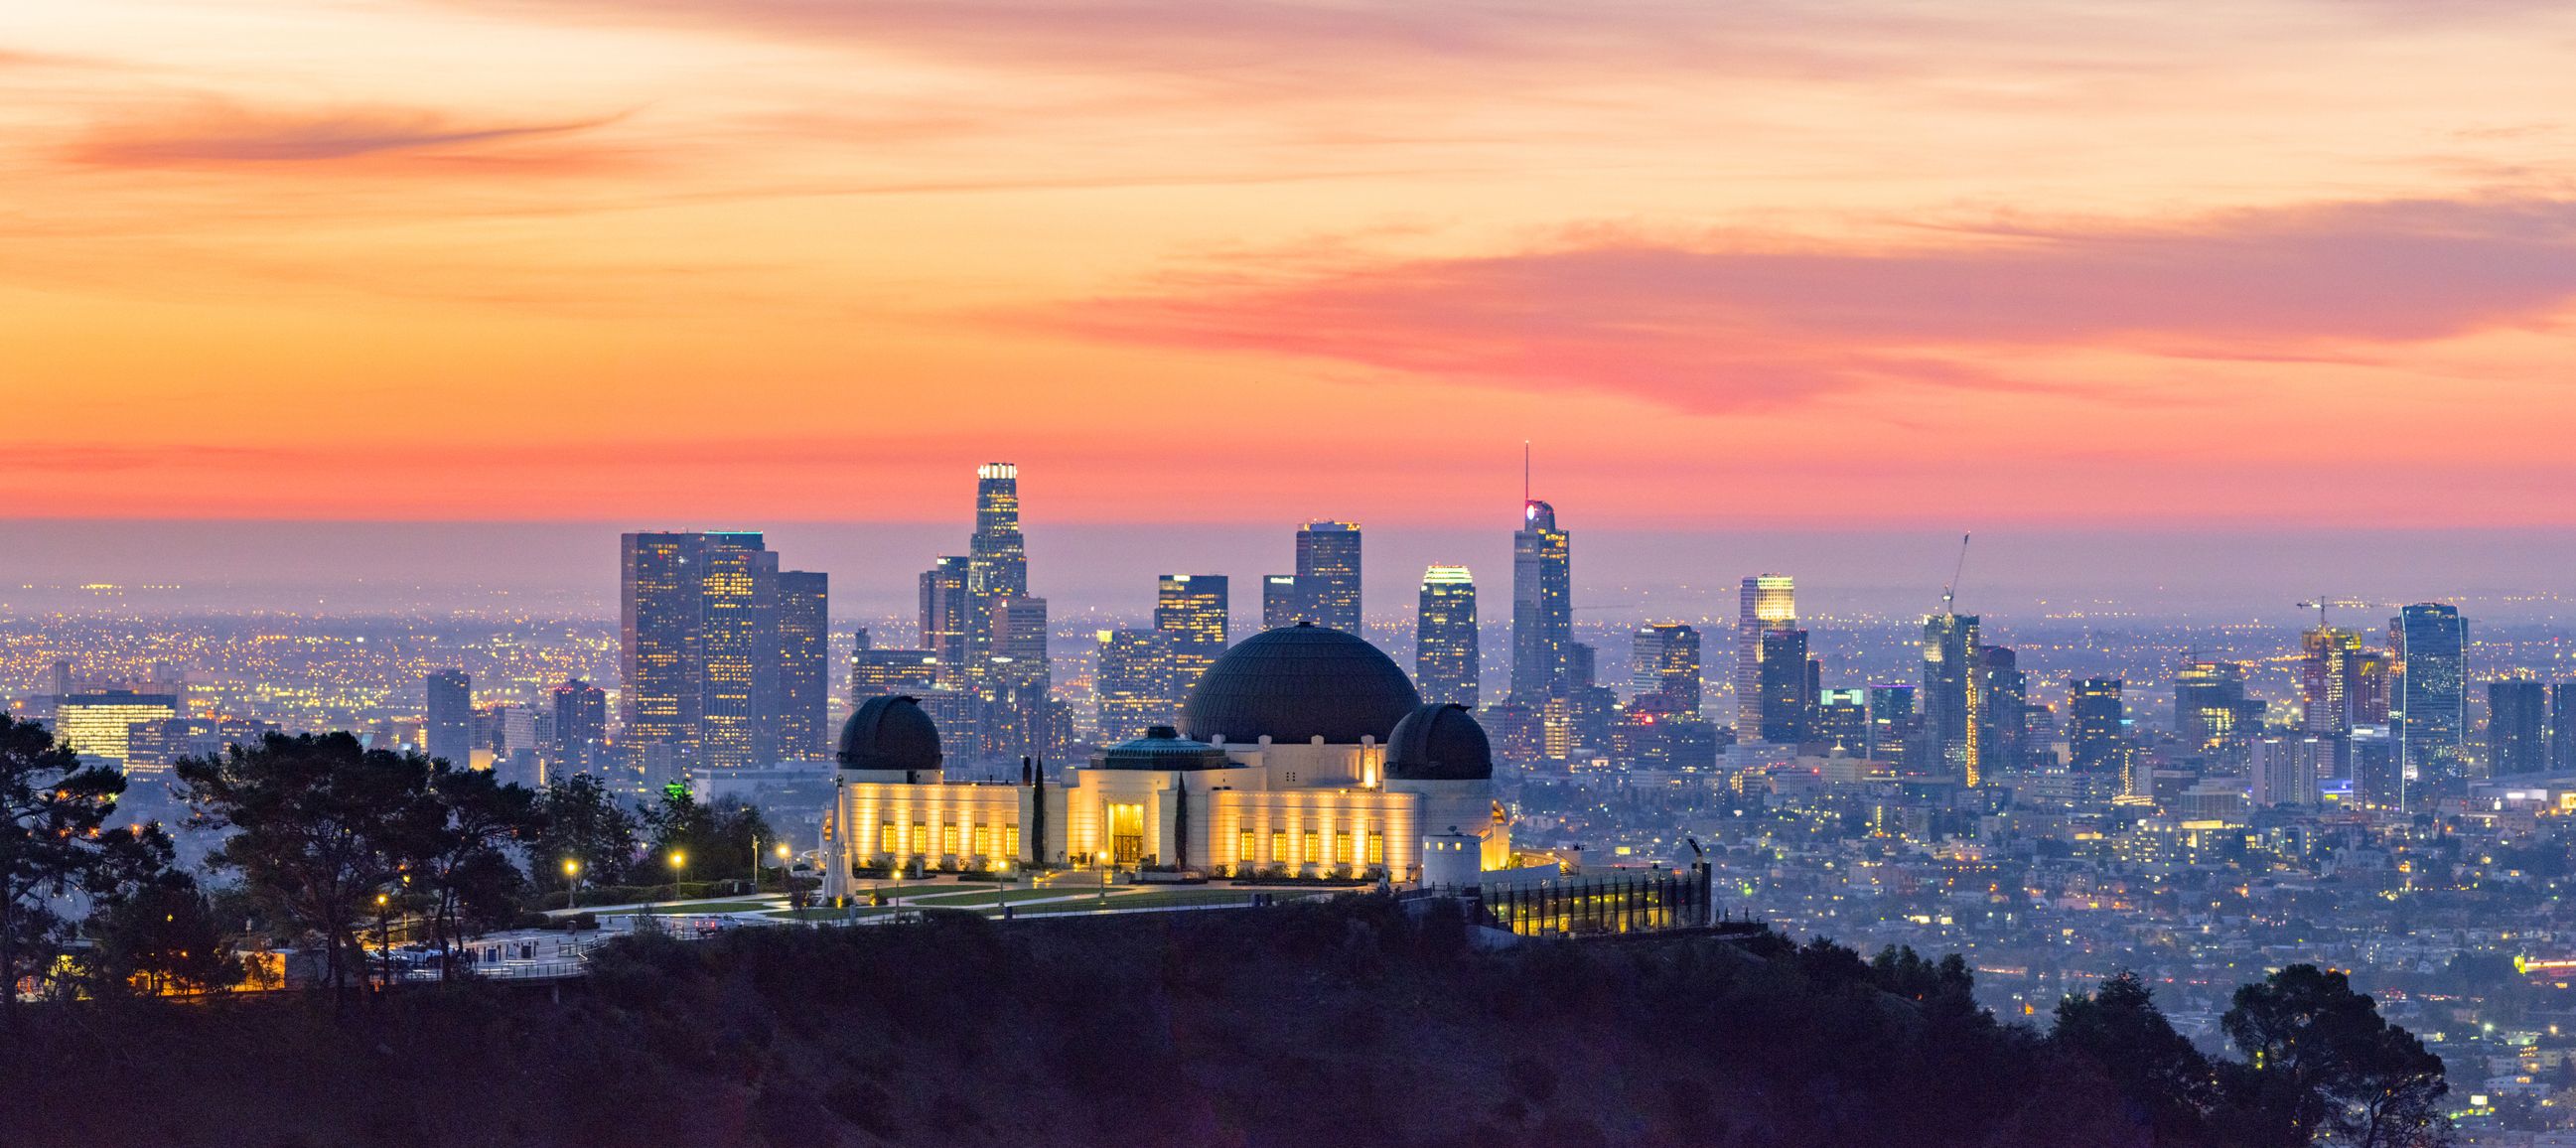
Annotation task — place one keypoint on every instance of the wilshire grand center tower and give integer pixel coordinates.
(1542, 603)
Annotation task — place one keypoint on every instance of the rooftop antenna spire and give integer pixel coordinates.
(1950, 593)
(1525, 472)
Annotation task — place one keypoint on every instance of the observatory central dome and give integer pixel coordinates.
(890, 733)
(1296, 682)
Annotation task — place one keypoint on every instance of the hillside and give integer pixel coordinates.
(1302, 1025)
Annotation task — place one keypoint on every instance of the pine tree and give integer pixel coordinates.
(54, 841)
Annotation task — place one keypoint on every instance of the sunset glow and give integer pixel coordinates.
(2285, 261)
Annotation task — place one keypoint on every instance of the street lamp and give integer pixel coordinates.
(572, 897)
(680, 871)
(384, 941)
(785, 888)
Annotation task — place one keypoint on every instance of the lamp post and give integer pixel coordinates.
(384, 942)
(572, 897)
(679, 871)
(786, 888)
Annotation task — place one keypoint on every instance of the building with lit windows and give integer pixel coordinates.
(1192, 611)
(1018, 680)
(1841, 721)
(2210, 709)
(152, 747)
(804, 704)
(447, 723)
(1280, 604)
(1892, 724)
(1303, 750)
(702, 652)
(1766, 602)
(2325, 678)
(1542, 603)
(1782, 688)
(2562, 727)
(2517, 718)
(1446, 660)
(2430, 715)
(874, 672)
(1328, 575)
(2003, 701)
(1664, 670)
(99, 723)
(578, 738)
(947, 630)
(1134, 683)
(1952, 735)
(2096, 715)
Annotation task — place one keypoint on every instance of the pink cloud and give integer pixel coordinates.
(1723, 327)
(1259, 44)
(220, 133)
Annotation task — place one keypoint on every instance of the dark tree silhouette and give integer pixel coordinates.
(718, 838)
(585, 824)
(161, 938)
(55, 841)
(463, 857)
(2320, 1059)
(2166, 1084)
(318, 826)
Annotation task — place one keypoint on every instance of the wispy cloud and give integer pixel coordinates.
(1255, 44)
(1711, 326)
(220, 133)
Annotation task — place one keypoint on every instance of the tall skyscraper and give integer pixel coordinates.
(1328, 574)
(947, 630)
(1784, 687)
(997, 564)
(2003, 703)
(1020, 681)
(1542, 602)
(447, 724)
(1193, 610)
(804, 727)
(2095, 713)
(1767, 602)
(997, 553)
(1135, 685)
(1664, 670)
(1446, 664)
(1950, 706)
(2430, 714)
(1281, 604)
(2377, 780)
(2562, 728)
(700, 651)
(2517, 716)
(738, 664)
(2325, 678)
(580, 731)
(2369, 687)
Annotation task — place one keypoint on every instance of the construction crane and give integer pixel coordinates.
(2321, 602)
(1950, 593)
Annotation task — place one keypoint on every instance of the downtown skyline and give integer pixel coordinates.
(1879, 268)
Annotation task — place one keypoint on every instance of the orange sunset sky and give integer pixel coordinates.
(2265, 261)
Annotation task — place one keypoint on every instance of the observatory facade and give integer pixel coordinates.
(1302, 751)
